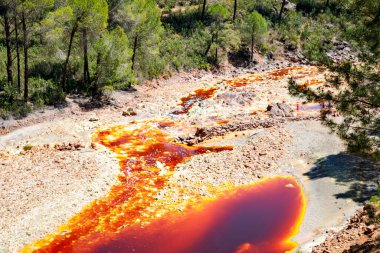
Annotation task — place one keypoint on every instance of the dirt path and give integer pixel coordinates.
(335, 182)
(50, 170)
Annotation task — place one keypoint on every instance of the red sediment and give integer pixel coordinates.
(255, 112)
(296, 72)
(147, 159)
(144, 153)
(197, 96)
(281, 73)
(258, 218)
(312, 82)
(222, 122)
(244, 81)
(165, 124)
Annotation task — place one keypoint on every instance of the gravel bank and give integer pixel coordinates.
(43, 187)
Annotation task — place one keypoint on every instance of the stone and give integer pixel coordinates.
(280, 110)
(129, 112)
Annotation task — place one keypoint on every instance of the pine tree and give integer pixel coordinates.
(222, 35)
(113, 61)
(5, 10)
(85, 17)
(357, 85)
(30, 11)
(141, 21)
(254, 31)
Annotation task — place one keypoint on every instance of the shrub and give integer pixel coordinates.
(46, 92)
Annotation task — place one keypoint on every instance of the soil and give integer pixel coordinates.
(360, 235)
(51, 167)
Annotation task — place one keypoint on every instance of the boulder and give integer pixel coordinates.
(129, 112)
(280, 110)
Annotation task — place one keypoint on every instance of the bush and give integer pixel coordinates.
(309, 6)
(178, 55)
(316, 37)
(17, 108)
(46, 92)
(291, 28)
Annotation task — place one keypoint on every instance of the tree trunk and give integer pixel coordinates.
(251, 60)
(216, 56)
(209, 45)
(281, 11)
(134, 52)
(25, 44)
(8, 46)
(216, 50)
(86, 72)
(235, 8)
(327, 3)
(95, 91)
(17, 52)
(65, 67)
(204, 8)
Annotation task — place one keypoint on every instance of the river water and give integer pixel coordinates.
(260, 217)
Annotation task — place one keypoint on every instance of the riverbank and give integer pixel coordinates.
(54, 180)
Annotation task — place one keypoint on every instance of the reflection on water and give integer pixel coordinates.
(147, 158)
(259, 218)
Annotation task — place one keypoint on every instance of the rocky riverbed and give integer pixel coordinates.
(51, 167)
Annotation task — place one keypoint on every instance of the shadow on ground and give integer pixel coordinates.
(359, 173)
(368, 247)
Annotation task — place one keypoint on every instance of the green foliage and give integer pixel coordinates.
(373, 207)
(180, 52)
(27, 147)
(183, 22)
(254, 31)
(116, 43)
(292, 27)
(45, 92)
(141, 21)
(365, 26)
(112, 59)
(221, 34)
(219, 12)
(256, 24)
(91, 14)
(317, 35)
(357, 98)
(16, 108)
(357, 86)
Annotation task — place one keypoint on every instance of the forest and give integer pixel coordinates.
(53, 48)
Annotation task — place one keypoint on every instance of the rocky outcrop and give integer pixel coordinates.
(235, 98)
(280, 110)
(206, 133)
(129, 112)
(340, 51)
(360, 235)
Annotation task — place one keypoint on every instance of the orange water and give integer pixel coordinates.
(244, 81)
(312, 82)
(260, 218)
(147, 158)
(296, 72)
(197, 96)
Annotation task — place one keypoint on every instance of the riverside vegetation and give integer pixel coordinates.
(53, 48)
